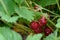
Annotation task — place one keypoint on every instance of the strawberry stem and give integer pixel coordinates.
(23, 27)
(50, 27)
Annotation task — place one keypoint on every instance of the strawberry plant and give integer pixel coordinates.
(29, 20)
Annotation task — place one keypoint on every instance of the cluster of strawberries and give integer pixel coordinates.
(38, 26)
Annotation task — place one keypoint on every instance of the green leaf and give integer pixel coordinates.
(19, 1)
(47, 2)
(58, 23)
(13, 19)
(8, 6)
(8, 18)
(23, 12)
(1, 8)
(34, 37)
(52, 36)
(2, 37)
(8, 34)
(37, 15)
(58, 38)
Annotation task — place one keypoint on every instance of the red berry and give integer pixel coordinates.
(42, 21)
(38, 31)
(34, 25)
(47, 31)
(40, 25)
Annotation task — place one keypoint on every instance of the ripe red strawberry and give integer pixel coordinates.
(40, 25)
(34, 25)
(38, 31)
(47, 31)
(42, 21)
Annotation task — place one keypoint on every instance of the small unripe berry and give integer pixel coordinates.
(36, 7)
(47, 31)
(34, 25)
